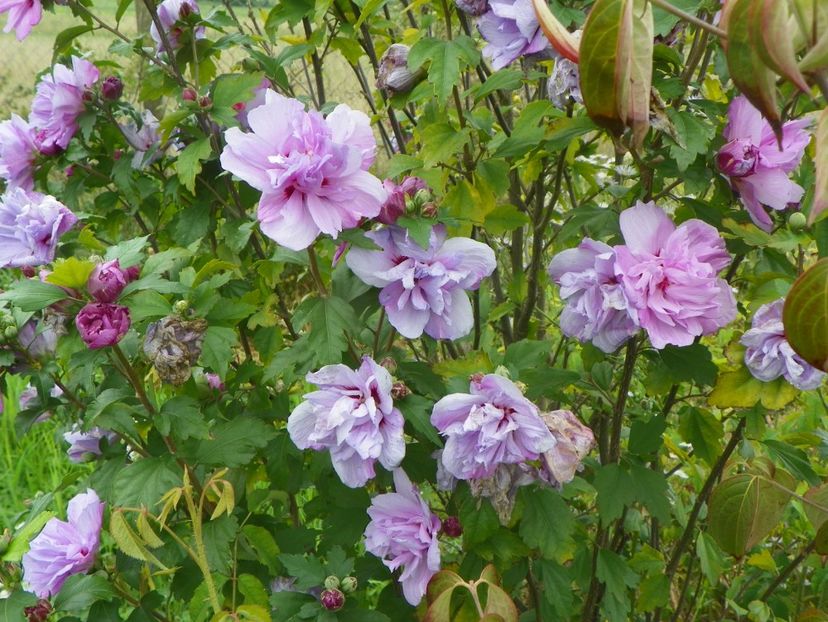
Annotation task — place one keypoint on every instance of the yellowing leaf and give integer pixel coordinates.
(72, 273)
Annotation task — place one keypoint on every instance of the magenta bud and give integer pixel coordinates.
(107, 281)
(185, 10)
(117, 154)
(69, 170)
(451, 527)
(205, 102)
(332, 600)
(39, 612)
(112, 88)
(239, 106)
(189, 94)
(102, 324)
(399, 390)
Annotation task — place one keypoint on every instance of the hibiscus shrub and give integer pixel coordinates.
(518, 333)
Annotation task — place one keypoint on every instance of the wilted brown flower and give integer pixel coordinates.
(174, 345)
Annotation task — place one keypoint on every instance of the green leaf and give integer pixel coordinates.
(32, 295)
(820, 203)
(417, 411)
(617, 577)
(692, 137)
(71, 272)
(479, 520)
(651, 490)
(234, 443)
(805, 315)
(330, 318)
(441, 142)
(181, 416)
(740, 389)
(616, 61)
(793, 459)
(558, 595)
(143, 483)
(129, 252)
(64, 39)
(503, 80)
(701, 429)
(419, 228)
(308, 571)
(547, 524)
(747, 69)
(447, 57)
(816, 509)
(746, 507)
(504, 218)
(231, 89)
(20, 543)
(711, 560)
(653, 592)
(265, 547)
(188, 165)
(217, 348)
(615, 491)
(80, 591)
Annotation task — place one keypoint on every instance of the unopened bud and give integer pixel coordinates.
(797, 221)
(88, 96)
(332, 582)
(399, 390)
(39, 612)
(117, 154)
(349, 584)
(69, 171)
(112, 88)
(429, 210)
(185, 10)
(475, 8)
(332, 600)
(181, 306)
(189, 94)
(239, 106)
(451, 527)
(250, 65)
(10, 332)
(476, 378)
(390, 364)
(205, 102)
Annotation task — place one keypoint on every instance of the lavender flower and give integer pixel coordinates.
(214, 382)
(102, 324)
(424, 289)
(30, 227)
(169, 13)
(85, 446)
(312, 171)
(491, 425)
(40, 339)
(511, 30)
(596, 308)
(145, 140)
(23, 16)
(769, 355)
(17, 153)
(403, 533)
(352, 415)
(59, 102)
(670, 276)
(63, 548)
(757, 167)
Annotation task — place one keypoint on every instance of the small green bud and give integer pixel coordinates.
(797, 221)
(5, 540)
(251, 65)
(10, 332)
(181, 307)
(332, 583)
(349, 584)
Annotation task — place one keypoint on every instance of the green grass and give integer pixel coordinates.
(32, 462)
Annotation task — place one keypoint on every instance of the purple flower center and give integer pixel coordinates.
(737, 159)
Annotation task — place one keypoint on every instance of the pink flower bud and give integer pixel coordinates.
(451, 527)
(189, 94)
(101, 324)
(69, 170)
(107, 281)
(117, 154)
(332, 600)
(112, 88)
(239, 106)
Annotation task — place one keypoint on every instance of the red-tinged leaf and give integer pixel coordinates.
(747, 69)
(499, 604)
(443, 581)
(561, 39)
(616, 65)
(773, 41)
(821, 162)
(805, 315)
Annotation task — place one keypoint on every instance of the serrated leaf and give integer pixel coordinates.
(547, 523)
(33, 295)
(702, 430)
(234, 443)
(447, 57)
(188, 165)
(129, 541)
(72, 273)
(329, 319)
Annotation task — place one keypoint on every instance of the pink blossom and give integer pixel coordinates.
(670, 276)
(23, 16)
(398, 194)
(352, 415)
(491, 425)
(17, 153)
(64, 548)
(59, 102)
(312, 171)
(403, 533)
(84, 446)
(108, 280)
(511, 30)
(424, 289)
(102, 324)
(758, 168)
